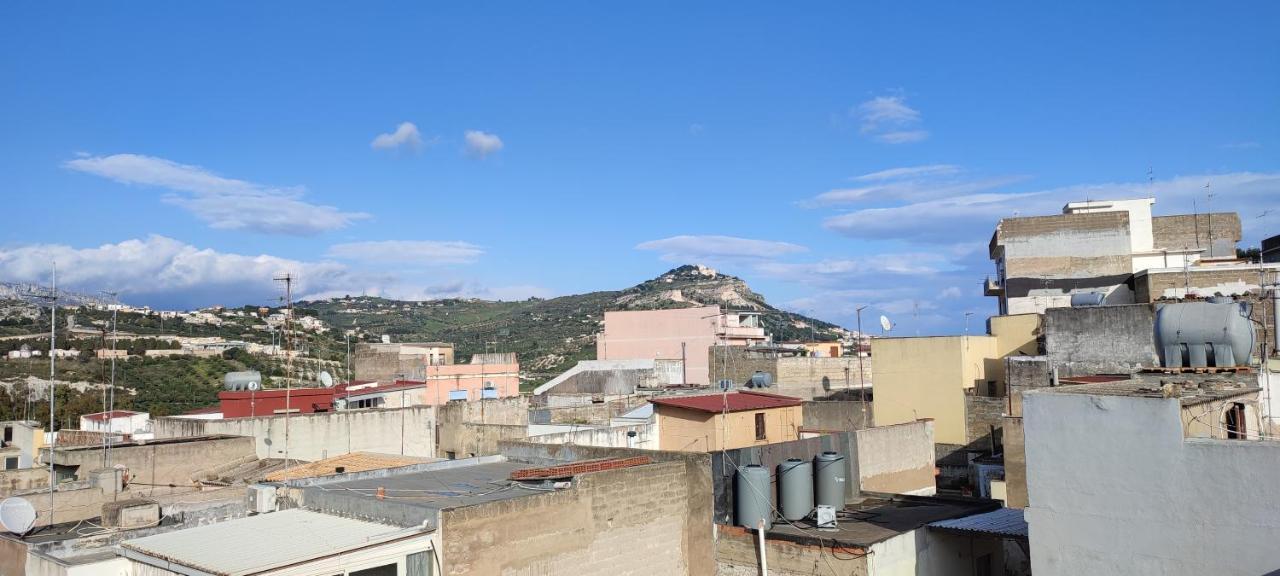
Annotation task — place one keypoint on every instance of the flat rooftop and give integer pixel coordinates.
(879, 518)
(411, 498)
(1188, 389)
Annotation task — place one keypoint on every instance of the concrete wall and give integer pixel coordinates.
(599, 413)
(845, 415)
(1015, 463)
(646, 437)
(897, 459)
(982, 414)
(653, 519)
(1100, 340)
(1189, 231)
(468, 429)
(927, 378)
(821, 374)
(161, 462)
(659, 334)
(389, 362)
(1115, 489)
(1047, 258)
(408, 431)
(737, 555)
(22, 479)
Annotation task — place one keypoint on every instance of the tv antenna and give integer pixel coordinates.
(287, 278)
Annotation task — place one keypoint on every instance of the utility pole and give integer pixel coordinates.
(288, 357)
(111, 394)
(53, 339)
(862, 386)
(1208, 207)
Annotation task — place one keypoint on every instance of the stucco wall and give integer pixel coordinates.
(410, 431)
(23, 479)
(837, 415)
(657, 334)
(474, 428)
(927, 377)
(737, 555)
(1115, 489)
(646, 437)
(681, 429)
(897, 459)
(653, 519)
(161, 462)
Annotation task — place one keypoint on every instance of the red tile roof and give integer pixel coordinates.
(733, 402)
(101, 416)
(581, 467)
(359, 388)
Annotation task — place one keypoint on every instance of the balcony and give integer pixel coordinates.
(993, 287)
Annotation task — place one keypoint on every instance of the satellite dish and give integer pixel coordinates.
(326, 379)
(17, 515)
(885, 323)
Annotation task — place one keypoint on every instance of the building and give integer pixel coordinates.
(21, 443)
(1271, 250)
(387, 362)
(947, 377)
(487, 376)
(819, 349)
(714, 422)
(684, 334)
(1094, 249)
(1137, 477)
(793, 373)
(253, 403)
(122, 422)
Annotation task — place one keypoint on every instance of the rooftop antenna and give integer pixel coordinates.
(287, 278)
(111, 390)
(1208, 208)
(966, 321)
(52, 297)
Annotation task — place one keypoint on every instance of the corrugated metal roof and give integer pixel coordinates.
(733, 402)
(1007, 522)
(257, 543)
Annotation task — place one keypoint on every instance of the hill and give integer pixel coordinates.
(550, 335)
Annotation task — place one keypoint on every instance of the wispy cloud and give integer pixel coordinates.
(890, 120)
(909, 172)
(405, 135)
(222, 203)
(480, 144)
(1246, 145)
(689, 249)
(422, 252)
(843, 269)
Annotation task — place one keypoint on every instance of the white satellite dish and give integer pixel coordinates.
(326, 379)
(885, 323)
(17, 515)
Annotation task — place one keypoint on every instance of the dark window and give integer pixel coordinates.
(1234, 420)
(760, 426)
(8, 433)
(420, 564)
(387, 570)
(11, 463)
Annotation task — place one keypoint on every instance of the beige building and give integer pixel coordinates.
(399, 361)
(712, 422)
(930, 377)
(677, 334)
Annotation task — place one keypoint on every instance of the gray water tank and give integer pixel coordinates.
(795, 489)
(1204, 334)
(1087, 299)
(245, 380)
(761, 379)
(752, 492)
(829, 478)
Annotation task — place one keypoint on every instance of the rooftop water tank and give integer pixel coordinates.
(795, 489)
(761, 379)
(245, 380)
(1087, 299)
(751, 490)
(1204, 334)
(829, 478)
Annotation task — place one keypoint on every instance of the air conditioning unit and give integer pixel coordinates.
(262, 498)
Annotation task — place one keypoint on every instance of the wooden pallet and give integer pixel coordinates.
(1202, 370)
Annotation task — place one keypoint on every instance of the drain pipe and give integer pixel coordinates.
(764, 564)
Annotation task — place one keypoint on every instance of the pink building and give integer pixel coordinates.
(442, 383)
(678, 333)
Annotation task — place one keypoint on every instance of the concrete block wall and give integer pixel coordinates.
(1025, 373)
(408, 431)
(1100, 340)
(652, 519)
(737, 555)
(982, 414)
(1189, 231)
(160, 462)
(845, 415)
(467, 440)
(12, 481)
(513, 410)
(735, 363)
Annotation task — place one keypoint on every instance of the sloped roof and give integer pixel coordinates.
(1005, 522)
(353, 462)
(733, 402)
(102, 416)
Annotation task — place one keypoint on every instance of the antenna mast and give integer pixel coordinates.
(53, 336)
(287, 278)
(1209, 209)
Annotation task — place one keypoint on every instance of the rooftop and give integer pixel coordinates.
(879, 518)
(732, 402)
(353, 462)
(103, 416)
(1187, 389)
(1005, 522)
(256, 542)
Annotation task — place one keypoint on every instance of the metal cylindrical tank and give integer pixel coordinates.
(761, 379)
(751, 491)
(828, 480)
(1199, 334)
(795, 488)
(245, 380)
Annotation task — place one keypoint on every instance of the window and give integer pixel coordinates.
(420, 563)
(8, 434)
(760, 434)
(11, 463)
(1233, 421)
(386, 570)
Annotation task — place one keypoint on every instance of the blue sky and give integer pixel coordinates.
(832, 156)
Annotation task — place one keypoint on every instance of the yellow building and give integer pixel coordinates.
(726, 421)
(928, 377)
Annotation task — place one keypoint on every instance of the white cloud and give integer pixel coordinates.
(912, 189)
(406, 134)
(161, 266)
(839, 270)
(422, 252)
(890, 120)
(480, 144)
(693, 249)
(909, 172)
(222, 203)
(1246, 145)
